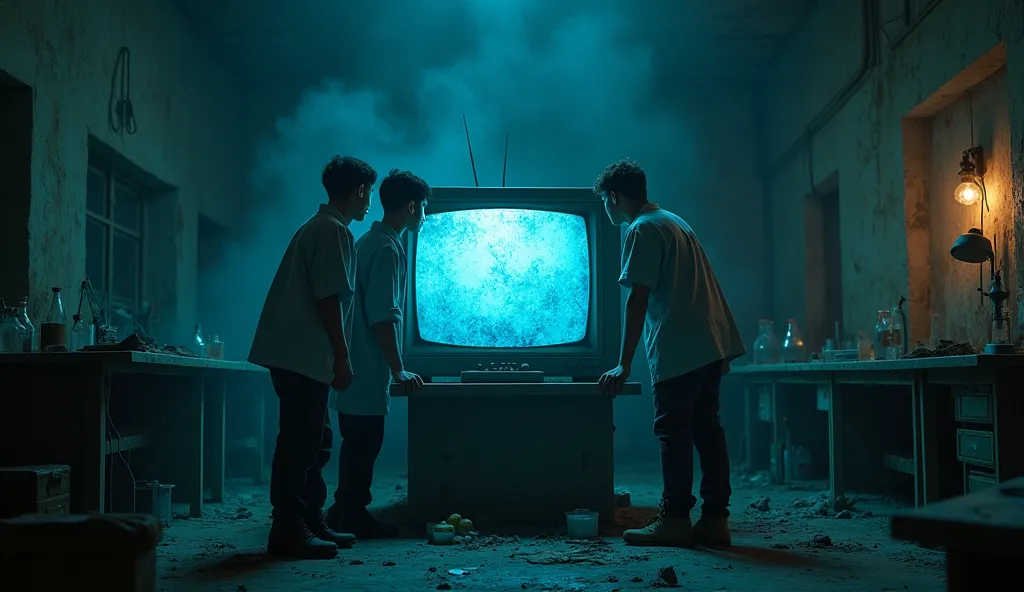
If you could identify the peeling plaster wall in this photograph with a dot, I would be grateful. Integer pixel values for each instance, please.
(963, 314)
(863, 144)
(186, 105)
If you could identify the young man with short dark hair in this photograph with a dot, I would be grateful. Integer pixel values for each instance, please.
(381, 280)
(302, 338)
(675, 302)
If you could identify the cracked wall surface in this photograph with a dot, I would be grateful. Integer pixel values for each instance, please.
(864, 145)
(186, 104)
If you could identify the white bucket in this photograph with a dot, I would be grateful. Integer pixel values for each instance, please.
(581, 523)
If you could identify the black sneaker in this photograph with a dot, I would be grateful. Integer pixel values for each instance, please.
(318, 527)
(292, 538)
(361, 523)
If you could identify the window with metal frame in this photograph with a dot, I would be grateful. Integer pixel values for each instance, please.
(115, 211)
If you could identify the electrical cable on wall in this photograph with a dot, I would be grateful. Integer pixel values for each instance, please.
(120, 111)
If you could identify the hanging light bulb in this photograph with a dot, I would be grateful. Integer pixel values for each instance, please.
(968, 192)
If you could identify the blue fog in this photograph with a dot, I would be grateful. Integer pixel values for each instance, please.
(542, 78)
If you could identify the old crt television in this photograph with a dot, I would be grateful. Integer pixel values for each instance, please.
(513, 275)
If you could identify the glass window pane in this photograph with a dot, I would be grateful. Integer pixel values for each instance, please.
(125, 274)
(96, 253)
(96, 193)
(126, 206)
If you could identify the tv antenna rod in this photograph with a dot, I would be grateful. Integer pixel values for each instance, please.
(472, 162)
(504, 164)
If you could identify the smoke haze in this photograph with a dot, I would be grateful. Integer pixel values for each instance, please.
(572, 87)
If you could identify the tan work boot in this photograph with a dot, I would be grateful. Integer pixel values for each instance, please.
(663, 530)
(712, 531)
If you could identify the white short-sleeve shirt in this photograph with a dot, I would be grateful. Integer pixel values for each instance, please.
(688, 324)
(381, 281)
(318, 263)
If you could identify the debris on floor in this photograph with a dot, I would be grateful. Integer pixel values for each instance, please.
(785, 543)
(761, 504)
(667, 578)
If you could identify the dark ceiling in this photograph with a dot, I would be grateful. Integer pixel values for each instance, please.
(305, 40)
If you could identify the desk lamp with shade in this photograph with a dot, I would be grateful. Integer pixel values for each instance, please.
(974, 247)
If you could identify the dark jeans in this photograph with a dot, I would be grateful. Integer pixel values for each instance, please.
(361, 440)
(686, 416)
(304, 442)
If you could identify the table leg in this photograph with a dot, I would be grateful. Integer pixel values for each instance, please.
(778, 457)
(194, 429)
(927, 443)
(89, 477)
(258, 477)
(837, 484)
(917, 394)
(215, 393)
(749, 417)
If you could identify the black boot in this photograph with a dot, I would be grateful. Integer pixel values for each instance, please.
(317, 524)
(292, 538)
(361, 523)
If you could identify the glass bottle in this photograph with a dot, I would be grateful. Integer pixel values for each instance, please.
(12, 333)
(81, 334)
(53, 331)
(936, 336)
(895, 349)
(883, 334)
(31, 342)
(766, 347)
(197, 340)
(215, 348)
(793, 348)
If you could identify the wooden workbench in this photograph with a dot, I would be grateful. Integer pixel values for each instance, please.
(56, 409)
(981, 533)
(988, 410)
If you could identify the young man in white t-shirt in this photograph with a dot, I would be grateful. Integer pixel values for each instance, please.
(381, 280)
(690, 335)
(303, 339)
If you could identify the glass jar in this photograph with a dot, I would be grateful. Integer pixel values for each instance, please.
(82, 335)
(215, 348)
(767, 349)
(793, 348)
(12, 333)
(1001, 329)
(865, 351)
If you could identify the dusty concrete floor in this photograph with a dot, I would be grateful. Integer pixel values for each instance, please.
(783, 540)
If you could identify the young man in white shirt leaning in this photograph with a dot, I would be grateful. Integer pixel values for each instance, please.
(303, 339)
(381, 281)
(690, 335)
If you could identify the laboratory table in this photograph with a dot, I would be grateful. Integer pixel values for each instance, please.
(980, 532)
(511, 454)
(988, 401)
(57, 410)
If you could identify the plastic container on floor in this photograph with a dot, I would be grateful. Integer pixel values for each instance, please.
(442, 534)
(581, 523)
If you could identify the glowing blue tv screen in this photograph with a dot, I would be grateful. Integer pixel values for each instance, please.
(502, 278)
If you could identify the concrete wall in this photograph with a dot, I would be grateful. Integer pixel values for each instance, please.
(926, 65)
(962, 314)
(188, 142)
